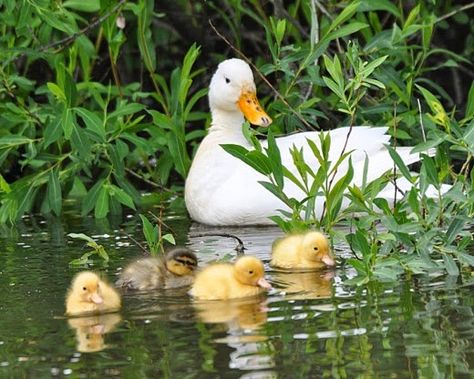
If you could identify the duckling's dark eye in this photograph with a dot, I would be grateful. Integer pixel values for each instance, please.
(227, 80)
(250, 272)
(316, 248)
(84, 288)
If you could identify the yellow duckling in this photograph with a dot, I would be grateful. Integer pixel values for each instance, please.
(302, 251)
(175, 270)
(90, 294)
(223, 281)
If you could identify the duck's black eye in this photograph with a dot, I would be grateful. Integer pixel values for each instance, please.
(84, 288)
(227, 80)
(316, 248)
(250, 272)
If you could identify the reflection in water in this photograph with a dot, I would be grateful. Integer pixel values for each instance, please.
(304, 285)
(90, 331)
(419, 326)
(237, 314)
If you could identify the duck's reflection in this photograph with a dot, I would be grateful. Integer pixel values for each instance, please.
(237, 314)
(304, 285)
(90, 331)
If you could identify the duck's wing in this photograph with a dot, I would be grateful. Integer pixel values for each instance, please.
(363, 143)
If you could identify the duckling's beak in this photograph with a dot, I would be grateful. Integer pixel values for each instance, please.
(262, 282)
(96, 298)
(327, 260)
(252, 109)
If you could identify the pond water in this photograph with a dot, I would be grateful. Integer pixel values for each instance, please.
(312, 325)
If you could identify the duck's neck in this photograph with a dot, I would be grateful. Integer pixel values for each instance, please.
(227, 126)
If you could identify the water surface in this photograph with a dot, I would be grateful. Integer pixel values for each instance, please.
(312, 325)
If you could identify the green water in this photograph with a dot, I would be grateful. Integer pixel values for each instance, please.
(310, 325)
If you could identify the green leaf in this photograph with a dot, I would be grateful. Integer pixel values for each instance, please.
(470, 102)
(54, 193)
(149, 231)
(53, 131)
(345, 31)
(56, 91)
(455, 227)
(275, 159)
(90, 6)
(346, 14)
(81, 236)
(90, 199)
(255, 159)
(4, 186)
(400, 164)
(13, 141)
(93, 122)
(379, 5)
(67, 120)
(466, 258)
(102, 204)
(126, 110)
(169, 238)
(122, 196)
(450, 264)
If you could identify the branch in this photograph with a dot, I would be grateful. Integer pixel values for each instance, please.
(62, 43)
(450, 14)
(275, 91)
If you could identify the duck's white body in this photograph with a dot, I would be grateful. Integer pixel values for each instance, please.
(222, 190)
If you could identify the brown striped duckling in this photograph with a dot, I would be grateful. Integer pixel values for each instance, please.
(304, 251)
(173, 271)
(89, 294)
(223, 281)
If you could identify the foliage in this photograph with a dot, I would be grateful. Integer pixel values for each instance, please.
(66, 132)
(427, 230)
(97, 250)
(154, 236)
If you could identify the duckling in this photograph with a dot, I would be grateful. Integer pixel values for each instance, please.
(175, 270)
(90, 294)
(302, 251)
(222, 281)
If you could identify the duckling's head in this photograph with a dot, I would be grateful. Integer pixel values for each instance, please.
(249, 270)
(86, 286)
(316, 248)
(181, 261)
(232, 89)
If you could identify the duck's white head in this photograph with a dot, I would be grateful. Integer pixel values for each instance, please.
(232, 90)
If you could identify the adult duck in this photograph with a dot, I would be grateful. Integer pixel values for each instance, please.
(222, 190)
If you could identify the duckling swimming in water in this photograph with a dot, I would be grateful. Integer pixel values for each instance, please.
(89, 294)
(222, 281)
(309, 250)
(173, 271)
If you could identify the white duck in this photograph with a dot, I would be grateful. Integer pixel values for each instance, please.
(222, 190)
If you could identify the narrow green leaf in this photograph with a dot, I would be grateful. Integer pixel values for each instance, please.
(90, 199)
(54, 193)
(149, 231)
(102, 204)
(92, 121)
(450, 264)
(123, 197)
(81, 236)
(400, 164)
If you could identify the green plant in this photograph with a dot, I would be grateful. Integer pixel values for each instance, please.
(155, 237)
(97, 250)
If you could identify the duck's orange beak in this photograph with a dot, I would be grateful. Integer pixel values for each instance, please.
(327, 260)
(262, 282)
(96, 298)
(252, 109)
